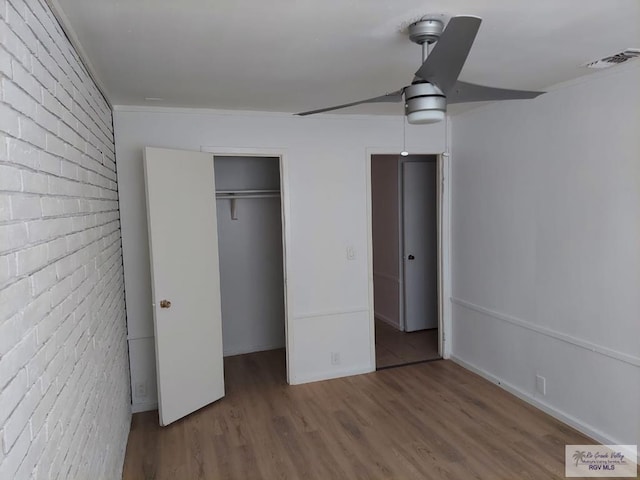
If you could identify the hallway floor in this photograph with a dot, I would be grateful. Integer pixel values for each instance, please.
(394, 347)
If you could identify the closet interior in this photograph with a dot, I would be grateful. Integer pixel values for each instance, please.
(251, 253)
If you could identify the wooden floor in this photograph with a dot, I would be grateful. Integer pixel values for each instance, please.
(426, 421)
(394, 347)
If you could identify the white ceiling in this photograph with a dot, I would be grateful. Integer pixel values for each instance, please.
(295, 55)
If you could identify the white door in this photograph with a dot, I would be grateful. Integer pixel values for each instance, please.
(185, 280)
(420, 245)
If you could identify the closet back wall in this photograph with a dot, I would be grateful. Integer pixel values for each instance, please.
(250, 250)
(325, 190)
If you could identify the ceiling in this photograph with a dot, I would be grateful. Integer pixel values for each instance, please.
(295, 55)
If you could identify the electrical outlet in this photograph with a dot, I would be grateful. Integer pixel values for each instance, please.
(335, 358)
(140, 389)
(351, 253)
(541, 385)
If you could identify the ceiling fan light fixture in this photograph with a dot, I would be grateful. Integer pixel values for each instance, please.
(425, 117)
(424, 103)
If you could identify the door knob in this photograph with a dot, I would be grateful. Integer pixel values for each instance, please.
(165, 304)
(411, 257)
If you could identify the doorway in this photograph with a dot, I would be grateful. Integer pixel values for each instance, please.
(251, 256)
(185, 270)
(404, 222)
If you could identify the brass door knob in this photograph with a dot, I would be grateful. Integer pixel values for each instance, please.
(165, 304)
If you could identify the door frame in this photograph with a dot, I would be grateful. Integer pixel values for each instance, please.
(443, 167)
(285, 213)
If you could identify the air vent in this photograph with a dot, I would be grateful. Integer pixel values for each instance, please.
(617, 59)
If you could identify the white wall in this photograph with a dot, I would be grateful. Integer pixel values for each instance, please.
(545, 255)
(326, 189)
(386, 248)
(64, 387)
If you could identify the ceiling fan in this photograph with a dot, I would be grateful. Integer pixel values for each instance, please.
(436, 82)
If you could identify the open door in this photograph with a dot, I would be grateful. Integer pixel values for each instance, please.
(420, 245)
(185, 280)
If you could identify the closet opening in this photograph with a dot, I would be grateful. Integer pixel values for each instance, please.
(405, 230)
(252, 273)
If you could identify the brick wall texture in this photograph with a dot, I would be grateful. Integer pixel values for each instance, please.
(64, 381)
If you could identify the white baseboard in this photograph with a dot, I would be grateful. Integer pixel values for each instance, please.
(570, 420)
(242, 349)
(387, 320)
(317, 377)
(143, 407)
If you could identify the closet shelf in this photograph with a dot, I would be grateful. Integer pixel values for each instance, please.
(247, 193)
(234, 195)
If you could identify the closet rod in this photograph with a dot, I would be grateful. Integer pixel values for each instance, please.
(239, 192)
(236, 197)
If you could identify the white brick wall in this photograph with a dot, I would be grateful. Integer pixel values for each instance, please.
(64, 387)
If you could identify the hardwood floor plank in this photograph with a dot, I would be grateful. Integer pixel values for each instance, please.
(426, 421)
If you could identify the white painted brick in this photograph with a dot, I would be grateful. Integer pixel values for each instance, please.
(36, 448)
(18, 98)
(33, 182)
(9, 120)
(63, 186)
(7, 268)
(32, 259)
(61, 290)
(67, 134)
(35, 311)
(4, 154)
(19, 419)
(51, 206)
(10, 333)
(63, 95)
(43, 280)
(5, 207)
(11, 395)
(49, 228)
(18, 25)
(13, 297)
(73, 155)
(10, 178)
(43, 75)
(54, 145)
(5, 63)
(17, 358)
(44, 467)
(51, 103)
(48, 163)
(24, 207)
(21, 152)
(57, 249)
(51, 369)
(27, 82)
(46, 119)
(38, 366)
(69, 170)
(32, 132)
(10, 41)
(75, 241)
(62, 318)
(9, 466)
(12, 236)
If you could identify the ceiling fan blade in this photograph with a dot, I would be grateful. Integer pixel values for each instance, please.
(392, 97)
(469, 92)
(443, 65)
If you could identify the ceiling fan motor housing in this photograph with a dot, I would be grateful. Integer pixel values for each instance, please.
(427, 30)
(424, 103)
